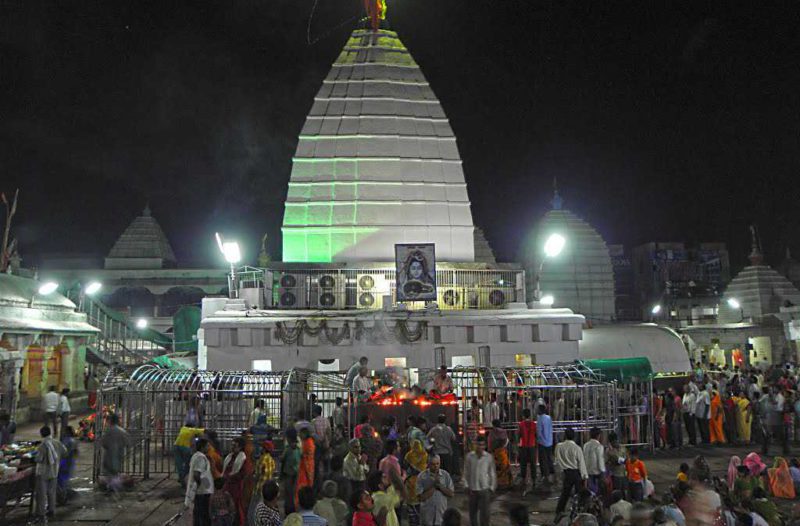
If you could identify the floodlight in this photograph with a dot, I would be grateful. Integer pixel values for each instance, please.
(141, 323)
(92, 288)
(656, 309)
(734, 303)
(48, 287)
(547, 300)
(554, 245)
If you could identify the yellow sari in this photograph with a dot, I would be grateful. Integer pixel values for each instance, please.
(744, 419)
(417, 460)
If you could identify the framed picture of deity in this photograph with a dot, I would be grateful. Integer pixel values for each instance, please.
(415, 266)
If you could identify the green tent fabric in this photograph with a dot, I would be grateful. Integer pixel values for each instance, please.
(174, 360)
(623, 370)
(185, 324)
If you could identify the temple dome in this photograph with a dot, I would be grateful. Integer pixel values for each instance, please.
(760, 291)
(376, 163)
(142, 245)
(581, 277)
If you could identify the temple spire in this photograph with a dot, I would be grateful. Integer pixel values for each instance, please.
(146, 212)
(755, 257)
(557, 201)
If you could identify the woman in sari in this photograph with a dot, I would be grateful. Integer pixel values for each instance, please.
(214, 458)
(498, 443)
(729, 408)
(305, 472)
(417, 462)
(780, 480)
(733, 471)
(744, 418)
(235, 469)
(717, 417)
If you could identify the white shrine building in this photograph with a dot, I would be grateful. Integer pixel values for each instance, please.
(377, 164)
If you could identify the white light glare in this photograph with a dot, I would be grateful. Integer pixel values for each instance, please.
(554, 245)
(141, 323)
(734, 303)
(547, 300)
(93, 287)
(656, 309)
(48, 287)
(230, 249)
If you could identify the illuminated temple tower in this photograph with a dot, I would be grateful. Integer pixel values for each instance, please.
(376, 164)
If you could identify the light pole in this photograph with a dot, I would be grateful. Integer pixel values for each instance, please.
(552, 248)
(734, 304)
(230, 250)
(655, 310)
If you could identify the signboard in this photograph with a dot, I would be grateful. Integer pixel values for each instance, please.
(415, 266)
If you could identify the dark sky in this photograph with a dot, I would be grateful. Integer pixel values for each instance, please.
(662, 120)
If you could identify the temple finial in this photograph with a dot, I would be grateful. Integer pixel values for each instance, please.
(788, 253)
(376, 11)
(146, 212)
(557, 202)
(755, 257)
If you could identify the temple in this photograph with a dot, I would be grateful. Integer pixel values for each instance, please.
(376, 164)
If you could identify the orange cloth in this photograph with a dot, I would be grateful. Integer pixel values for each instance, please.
(305, 472)
(715, 423)
(215, 460)
(636, 470)
(780, 480)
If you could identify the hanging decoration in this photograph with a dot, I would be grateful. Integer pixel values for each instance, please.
(376, 11)
(377, 333)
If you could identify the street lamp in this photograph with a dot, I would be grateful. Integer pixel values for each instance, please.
(141, 323)
(48, 287)
(655, 310)
(93, 288)
(552, 248)
(230, 250)
(547, 300)
(734, 304)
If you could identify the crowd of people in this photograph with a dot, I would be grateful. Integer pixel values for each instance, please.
(313, 472)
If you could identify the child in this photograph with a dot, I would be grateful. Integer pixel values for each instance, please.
(223, 509)
(683, 473)
(637, 474)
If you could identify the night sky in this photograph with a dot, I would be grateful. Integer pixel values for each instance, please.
(661, 120)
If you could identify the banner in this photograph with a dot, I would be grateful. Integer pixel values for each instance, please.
(415, 266)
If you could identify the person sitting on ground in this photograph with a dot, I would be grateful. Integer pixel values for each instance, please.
(305, 502)
(619, 507)
(683, 473)
(641, 515)
(330, 507)
(518, 515)
(362, 504)
(451, 517)
(671, 510)
(794, 470)
(761, 504)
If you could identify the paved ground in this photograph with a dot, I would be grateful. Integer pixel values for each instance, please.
(154, 501)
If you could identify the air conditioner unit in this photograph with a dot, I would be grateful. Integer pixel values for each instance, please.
(451, 298)
(370, 290)
(498, 297)
(328, 292)
(291, 291)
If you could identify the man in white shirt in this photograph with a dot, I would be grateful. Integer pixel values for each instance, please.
(702, 412)
(354, 370)
(688, 412)
(50, 409)
(362, 385)
(569, 457)
(594, 455)
(481, 481)
(200, 484)
(491, 411)
(64, 410)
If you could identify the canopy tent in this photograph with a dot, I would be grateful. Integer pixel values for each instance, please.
(623, 370)
(662, 346)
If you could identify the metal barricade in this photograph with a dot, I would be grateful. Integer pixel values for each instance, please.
(152, 405)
